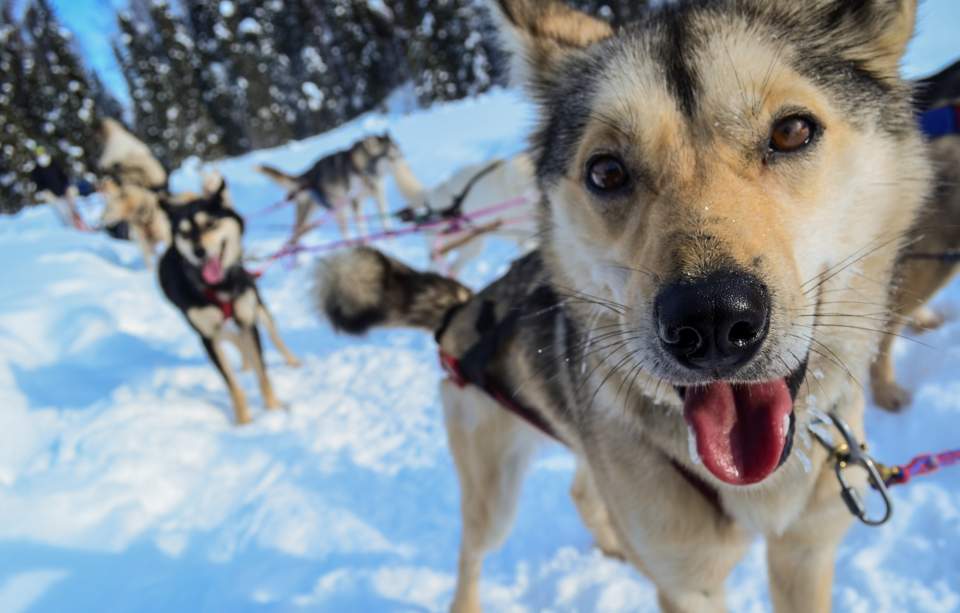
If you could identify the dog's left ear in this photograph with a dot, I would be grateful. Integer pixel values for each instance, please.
(540, 34)
(874, 33)
(893, 23)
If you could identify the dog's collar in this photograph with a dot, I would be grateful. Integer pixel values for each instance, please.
(940, 122)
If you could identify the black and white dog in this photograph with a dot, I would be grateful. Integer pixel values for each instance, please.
(202, 275)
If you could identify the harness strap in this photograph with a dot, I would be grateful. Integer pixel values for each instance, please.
(451, 365)
(942, 121)
(226, 306)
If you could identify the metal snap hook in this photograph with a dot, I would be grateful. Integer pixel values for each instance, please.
(853, 453)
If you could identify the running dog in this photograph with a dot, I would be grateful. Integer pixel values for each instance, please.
(497, 198)
(726, 185)
(343, 180)
(202, 274)
(930, 260)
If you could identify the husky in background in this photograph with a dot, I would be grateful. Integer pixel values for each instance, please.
(343, 180)
(726, 186)
(464, 198)
(128, 160)
(930, 259)
(52, 186)
(202, 274)
(139, 209)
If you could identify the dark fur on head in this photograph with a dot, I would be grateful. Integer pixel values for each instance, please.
(363, 288)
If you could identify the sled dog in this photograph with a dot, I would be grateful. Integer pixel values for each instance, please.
(202, 274)
(128, 160)
(726, 185)
(343, 180)
(494, 198)
(930, 259)
(138, 208)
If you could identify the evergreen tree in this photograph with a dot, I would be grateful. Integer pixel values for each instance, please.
(224, 101)
(16, 153)
(188, 128)
(63, 110)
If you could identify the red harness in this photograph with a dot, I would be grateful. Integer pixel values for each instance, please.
(226, 306)
(451, 365)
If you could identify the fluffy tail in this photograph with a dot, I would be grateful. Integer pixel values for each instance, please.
(363, 289)
(288, 182)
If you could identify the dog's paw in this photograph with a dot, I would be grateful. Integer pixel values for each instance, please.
(294, 362)
(891, 396)
(926, 320)
(272, 403)
(243, 420)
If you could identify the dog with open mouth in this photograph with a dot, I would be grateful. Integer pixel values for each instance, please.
(202, 274)
(725, 188)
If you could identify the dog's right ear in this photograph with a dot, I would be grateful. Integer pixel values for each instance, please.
(540, 34)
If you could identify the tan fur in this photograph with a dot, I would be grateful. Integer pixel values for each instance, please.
(917, 280)
(543, 34)
(140, 208)
(129, 158)
(797, 226)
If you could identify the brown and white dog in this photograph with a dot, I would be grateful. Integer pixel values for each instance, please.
(139, 208)
(726, 185)
(930, 259)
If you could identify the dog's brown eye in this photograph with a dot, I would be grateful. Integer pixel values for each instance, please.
(606, 174)
(791, 134)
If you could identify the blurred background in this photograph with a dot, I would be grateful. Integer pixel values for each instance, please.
(220, 78)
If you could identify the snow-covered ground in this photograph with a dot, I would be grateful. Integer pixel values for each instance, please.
(125, 487)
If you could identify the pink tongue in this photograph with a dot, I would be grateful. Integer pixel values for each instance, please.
(741, 430)
(212, 271)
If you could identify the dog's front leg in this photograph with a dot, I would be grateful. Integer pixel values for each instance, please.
(246, 308)
(240, 408)
(208, 322)
(380, 194)
(491, 449)
(264, 316)
(669, 529)
(802, 559)
(594, 512)
(358, 218)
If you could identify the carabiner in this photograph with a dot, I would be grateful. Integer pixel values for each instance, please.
(852, 453)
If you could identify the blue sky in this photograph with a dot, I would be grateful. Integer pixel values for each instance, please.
(94, 23)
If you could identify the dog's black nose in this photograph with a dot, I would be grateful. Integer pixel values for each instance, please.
(717, 322)
(200, 252)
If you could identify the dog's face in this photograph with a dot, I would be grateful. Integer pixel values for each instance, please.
(208, 234)
(705, 172)
(382, 146)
